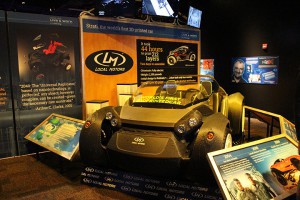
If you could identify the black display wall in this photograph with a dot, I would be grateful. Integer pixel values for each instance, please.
(235, 28)
(7, 131)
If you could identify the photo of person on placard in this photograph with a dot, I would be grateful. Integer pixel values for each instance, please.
(243, 192)
(260, 189)
(238, 71)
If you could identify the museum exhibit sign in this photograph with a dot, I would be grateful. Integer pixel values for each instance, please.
(44, 58)
(259, 69)
(7, 131)
(271, 164)
(207, 67)
(58, 134)
(133, 51)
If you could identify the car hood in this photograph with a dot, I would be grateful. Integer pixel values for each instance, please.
(152, 116)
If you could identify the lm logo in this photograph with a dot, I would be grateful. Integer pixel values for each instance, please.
(110, 59)
(109, 62)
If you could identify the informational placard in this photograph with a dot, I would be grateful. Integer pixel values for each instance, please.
(159, 60)
(259, 70)
(132, 51)
(45, 65)
(207, 67)
(7, 132)
(264, 169)
(147, 187)
(59, 134)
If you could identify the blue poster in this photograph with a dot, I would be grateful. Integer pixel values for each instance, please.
(259, 70)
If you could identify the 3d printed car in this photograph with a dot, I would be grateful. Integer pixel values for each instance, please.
(286, 171)
(166, 129)
(48, 54)
(182, 53)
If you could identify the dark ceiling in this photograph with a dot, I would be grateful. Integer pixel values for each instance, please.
(53, 7)
(70, 8)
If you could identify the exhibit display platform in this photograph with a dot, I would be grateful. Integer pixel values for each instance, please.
(50, 176)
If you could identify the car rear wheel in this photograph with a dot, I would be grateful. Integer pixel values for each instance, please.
(192, 57)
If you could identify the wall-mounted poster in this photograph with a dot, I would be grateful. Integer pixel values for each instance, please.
(7, 132)
(59, 134)
(45, 65)
(259, 70)
(207, 67)
(264, 169)
(158, 60)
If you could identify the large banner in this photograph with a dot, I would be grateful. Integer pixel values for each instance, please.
(45, 69)
(132, 51)
(7, 133)
(259, 70)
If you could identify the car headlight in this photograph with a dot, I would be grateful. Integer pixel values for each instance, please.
(114, 122)
(193, 122)
(109, 115)
(181, 128)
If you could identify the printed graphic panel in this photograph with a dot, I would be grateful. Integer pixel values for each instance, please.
(265, 169)
(207, 67)
(158, 60)
(59, 134)
(45, 70)
(118, 58)
(259, 70)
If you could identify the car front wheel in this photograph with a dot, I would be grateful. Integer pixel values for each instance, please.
(171, 60)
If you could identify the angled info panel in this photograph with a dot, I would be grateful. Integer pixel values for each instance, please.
(45, 70)
(7, 134)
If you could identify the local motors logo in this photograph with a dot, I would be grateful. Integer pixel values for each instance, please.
(138, 141)
(89, 169)
(109, 62)
(171, 184)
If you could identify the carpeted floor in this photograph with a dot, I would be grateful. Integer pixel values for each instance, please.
(48, 177)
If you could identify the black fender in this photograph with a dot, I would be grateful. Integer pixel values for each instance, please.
(94, 136)
(217, 124)
(235, 113)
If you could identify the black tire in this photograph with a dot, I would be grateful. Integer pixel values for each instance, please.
(198, 166)
(280, 178)
(94, 138)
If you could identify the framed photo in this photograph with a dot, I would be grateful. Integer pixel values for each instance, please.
(59, 134)
(264, 169)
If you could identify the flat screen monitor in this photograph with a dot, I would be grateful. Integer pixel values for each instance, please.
(115, 8)
(194, 17)
(165, 8)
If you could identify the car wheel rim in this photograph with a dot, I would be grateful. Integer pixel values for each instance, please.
(228, 141)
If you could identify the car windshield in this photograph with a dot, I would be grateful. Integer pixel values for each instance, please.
(180, 93)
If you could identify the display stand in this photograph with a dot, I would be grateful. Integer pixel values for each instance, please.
(146, 187)
(272, 163)
(59, 134)
(94, 105)
(125, 92)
